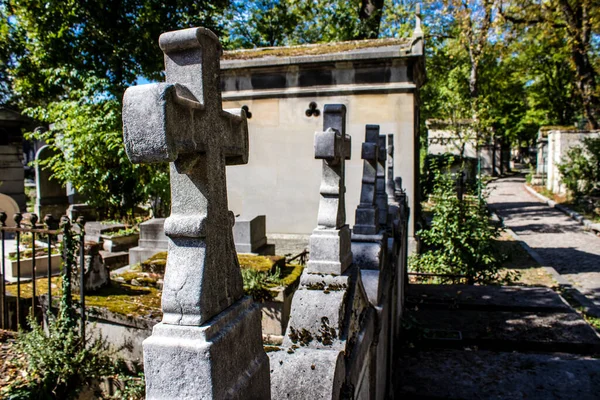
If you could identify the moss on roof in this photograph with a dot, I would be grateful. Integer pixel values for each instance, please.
(311, 49)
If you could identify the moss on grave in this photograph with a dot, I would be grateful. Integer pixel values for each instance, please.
(311, 49)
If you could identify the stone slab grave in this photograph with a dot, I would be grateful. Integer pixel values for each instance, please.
(115, 249)
(208, 345)
(11, 265)
(152, 240)
(250, 235)
(495, 342)
(51, 196)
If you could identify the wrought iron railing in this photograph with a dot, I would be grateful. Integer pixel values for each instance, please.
(51, 233)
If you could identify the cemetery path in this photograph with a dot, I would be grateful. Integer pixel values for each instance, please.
(559, 241)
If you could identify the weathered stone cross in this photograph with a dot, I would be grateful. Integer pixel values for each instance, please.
(182, 122)
(208, 345)
(330, 243)
(367, 216)
(381, 197)
(390, 186)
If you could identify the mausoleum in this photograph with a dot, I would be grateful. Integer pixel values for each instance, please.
(284, 90)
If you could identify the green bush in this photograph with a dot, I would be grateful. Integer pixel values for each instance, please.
(580, 168)
(460, 238)
(88, 139)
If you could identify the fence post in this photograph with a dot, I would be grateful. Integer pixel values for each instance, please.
(66, 309)
(33, 220)
(48, 220)
(81, 224)
(18, 218)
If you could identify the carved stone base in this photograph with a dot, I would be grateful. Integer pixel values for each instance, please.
(330, 251)
(222, 359)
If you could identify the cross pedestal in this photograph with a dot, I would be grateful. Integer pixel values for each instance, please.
(208, 345)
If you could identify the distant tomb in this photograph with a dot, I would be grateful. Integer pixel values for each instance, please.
(51, 195)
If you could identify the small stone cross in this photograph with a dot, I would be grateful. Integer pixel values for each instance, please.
(333, 147)
(389, 187)
(381, 197)
(182, 122)
(367, 217)
(330, 247)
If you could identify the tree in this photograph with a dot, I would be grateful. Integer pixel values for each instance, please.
(88, 139)
(54, 46)
(575, 20)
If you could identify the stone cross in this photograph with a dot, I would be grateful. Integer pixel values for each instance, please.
(208, 345)
(333, 147)
(367, 216)
(182, 122)
(330, 243)
(389, 187)
(381, 196)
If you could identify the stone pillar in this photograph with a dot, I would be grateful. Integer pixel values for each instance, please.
(208, 345)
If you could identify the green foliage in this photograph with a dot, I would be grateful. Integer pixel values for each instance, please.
(257, 283)
(91, 156)
(289, 22)
(56, 364)
(580, 168)
(460, 238)
(51, 48)
(123, 232)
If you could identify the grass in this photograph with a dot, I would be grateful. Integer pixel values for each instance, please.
(132, 300)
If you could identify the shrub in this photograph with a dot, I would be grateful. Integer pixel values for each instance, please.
(88, 139)
(460, 238)
(580, 168)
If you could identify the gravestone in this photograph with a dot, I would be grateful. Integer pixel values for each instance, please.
(381, 196)
(367, 214)
(324, 340)
(152, 240)
(330, 241)
(250, 235)
(208, 345)
(10, 207)
(51, 196)
(370, 250)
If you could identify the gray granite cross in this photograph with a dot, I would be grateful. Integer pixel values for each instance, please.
(381, 196)
(333, 147)
(182, 122)
(367, 216)
(390, 186)
(330, 247)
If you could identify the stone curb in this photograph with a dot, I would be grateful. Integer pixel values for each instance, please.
(588, 307)
(588, 225)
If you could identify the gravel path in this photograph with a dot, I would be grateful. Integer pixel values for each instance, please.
(560, 242)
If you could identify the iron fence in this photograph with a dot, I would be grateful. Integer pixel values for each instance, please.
(52, 233)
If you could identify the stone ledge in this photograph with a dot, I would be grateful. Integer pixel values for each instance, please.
(588, 224)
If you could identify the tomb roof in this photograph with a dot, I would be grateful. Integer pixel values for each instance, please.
(312, 53)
